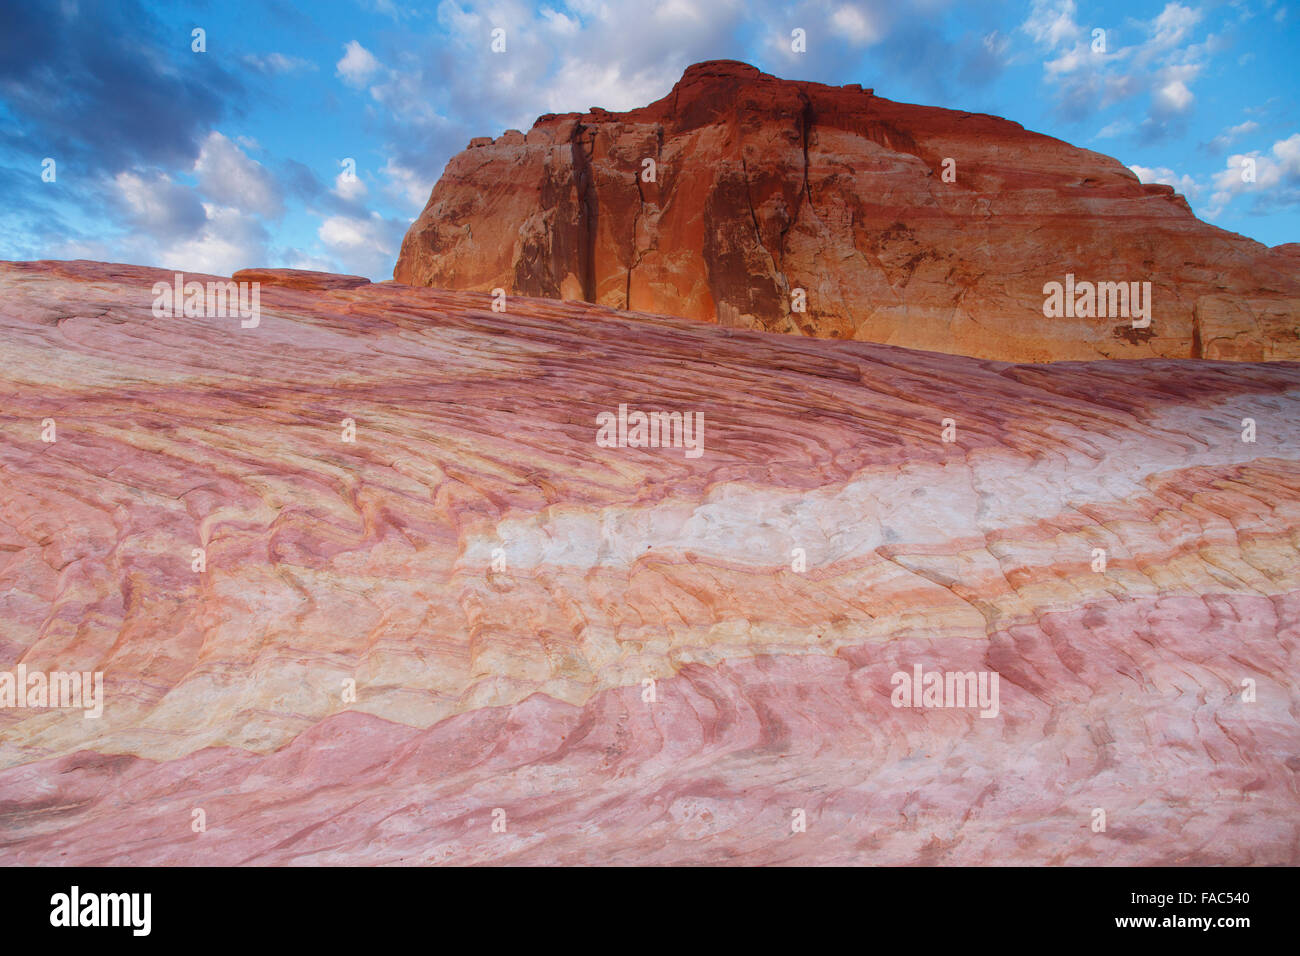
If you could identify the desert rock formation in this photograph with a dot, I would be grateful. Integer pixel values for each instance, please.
(762, 187)
(500, 588)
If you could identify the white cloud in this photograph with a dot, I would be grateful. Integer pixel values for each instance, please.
(348, 185)
(1184, 184)
(1276, 176)
(363, 245)
(559, 23)
(579, 83)
(1163, 64)
(856, 25)
(230, 240)
(228, 176)
(219, 241)
(350, 233)
(157, 205)
(1051, 22)
(175, 230)
(1225, 139)
(406, 184)
(403, 91)
(1172, 26)
(1174, 97)
(357, 65)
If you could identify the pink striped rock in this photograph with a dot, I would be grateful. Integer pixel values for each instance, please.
(473, 633)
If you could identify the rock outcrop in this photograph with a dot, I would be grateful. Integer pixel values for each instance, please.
(636, 654)
(721, 200)
(305, 279)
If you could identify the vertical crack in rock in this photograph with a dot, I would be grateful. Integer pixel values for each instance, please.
(588, 208)
(806, 116)
(637, 252)
(635, 259)
(753, 218)
(746, 290)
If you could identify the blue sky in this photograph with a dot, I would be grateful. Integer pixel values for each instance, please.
(233, 157)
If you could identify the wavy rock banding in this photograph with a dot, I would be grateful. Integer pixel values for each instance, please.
(500, 589)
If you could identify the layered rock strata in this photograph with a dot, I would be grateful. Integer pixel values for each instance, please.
(749, 201)
(635, 655)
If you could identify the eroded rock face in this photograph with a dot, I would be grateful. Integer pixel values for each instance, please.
(500, 587)
(763, 186)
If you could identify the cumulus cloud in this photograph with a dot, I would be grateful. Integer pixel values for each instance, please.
(158, 206)
(407, 185)
(230, 240)
(1051, 23)
(349, 186)
(619, 89)
(366, 245)
(213, 226)
(1091, 72)
(1172, 26)
(357, 66)
(226, 174)
(1275, 183)
(340, 232)
(174, 230)
(1185, 184)
(857, 25)
(1174, 97)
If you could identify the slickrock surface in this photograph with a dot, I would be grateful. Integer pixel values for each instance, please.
(520, 686)
(763, 186)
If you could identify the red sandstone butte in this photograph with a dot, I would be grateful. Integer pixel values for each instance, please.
(763, 186)
(517, 684)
